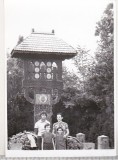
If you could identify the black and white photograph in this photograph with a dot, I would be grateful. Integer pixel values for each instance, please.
(60, 60)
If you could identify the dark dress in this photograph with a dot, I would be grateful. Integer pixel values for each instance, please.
(60, 142)
(47, 141)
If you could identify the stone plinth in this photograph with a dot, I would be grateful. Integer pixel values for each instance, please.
(88, 145)
(81, 137)
(103, 142)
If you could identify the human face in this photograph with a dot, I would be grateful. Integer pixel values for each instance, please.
(47, 128)
(59, 118)
(43, 117)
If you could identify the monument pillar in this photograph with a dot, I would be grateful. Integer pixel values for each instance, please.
(43, 54)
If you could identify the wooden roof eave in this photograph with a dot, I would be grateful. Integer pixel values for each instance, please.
(39, 54)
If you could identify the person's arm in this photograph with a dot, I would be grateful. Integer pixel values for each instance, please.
(42, 144)
(53, 131)
(36, 131)
(67, 131)
(53, 143)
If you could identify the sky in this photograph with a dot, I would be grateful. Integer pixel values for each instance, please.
(74, 21)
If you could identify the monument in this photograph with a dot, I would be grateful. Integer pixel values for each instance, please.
(42, 54)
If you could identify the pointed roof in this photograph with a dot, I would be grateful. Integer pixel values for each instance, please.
(43, 44)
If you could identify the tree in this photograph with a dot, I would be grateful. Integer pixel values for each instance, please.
(101, 85)
(85, 64)
(78, 111)
(70, 80)
(20, 39)
(104, 77)
(18, 109)
(97, 78)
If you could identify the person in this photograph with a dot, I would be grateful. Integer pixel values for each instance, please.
(61, 124)
(47, 139)
(60, 141)
(39, 128)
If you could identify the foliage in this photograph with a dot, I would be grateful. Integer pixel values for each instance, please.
(14, 76)
(101, 85)
(70, 79)
(105, 51)
(73, 143)
(85, 64)
(105, 71)
(78, 111)
(20, 39)
(18, 109)
(97, 77)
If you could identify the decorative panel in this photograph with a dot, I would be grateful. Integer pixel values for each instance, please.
(43, 99)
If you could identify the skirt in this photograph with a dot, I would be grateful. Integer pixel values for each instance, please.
(48, 146)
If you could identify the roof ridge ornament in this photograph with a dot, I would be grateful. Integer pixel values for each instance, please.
(42, 32)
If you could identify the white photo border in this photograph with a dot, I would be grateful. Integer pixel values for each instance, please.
(74, 153)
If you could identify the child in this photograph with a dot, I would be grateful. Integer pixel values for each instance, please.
(47, 139)
(60, 140)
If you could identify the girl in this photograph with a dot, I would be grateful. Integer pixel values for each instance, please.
(47, 139)
(60, 140)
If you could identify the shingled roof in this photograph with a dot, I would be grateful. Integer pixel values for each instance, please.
(43, 44)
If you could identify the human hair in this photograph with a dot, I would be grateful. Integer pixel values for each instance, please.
(43, 113)
(59, 128)
(60, 114)
(46, 125)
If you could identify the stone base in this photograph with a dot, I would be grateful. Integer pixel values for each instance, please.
(88, 145)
